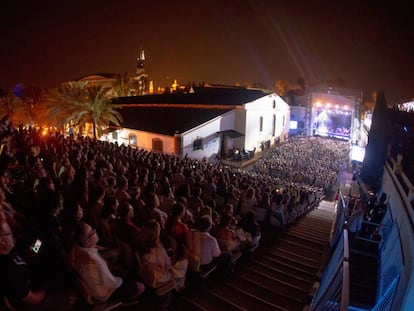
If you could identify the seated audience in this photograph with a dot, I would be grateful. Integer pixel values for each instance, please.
(16, 285)
(249, 231)
(175, 225)
(248, 201)
(156, 267)
(205, 246)
(226, 235)
(97, 281)
(126, 230)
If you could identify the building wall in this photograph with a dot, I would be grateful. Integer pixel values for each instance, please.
(208, 133)
(244, 119)
(144, 140)
(240, 116)
(298, 114)
(268, 109)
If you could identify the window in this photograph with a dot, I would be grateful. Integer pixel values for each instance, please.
(261, 124)
(274, 104)
(132, 139)
(115, 135)
(198, 144)
(274, 125)
(283, 123)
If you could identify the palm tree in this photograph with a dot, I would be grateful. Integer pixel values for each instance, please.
(34, 97)
(78, 103)
(101, 111)
(123, 85)
(16, 109)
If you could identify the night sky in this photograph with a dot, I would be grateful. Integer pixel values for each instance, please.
(370, 46)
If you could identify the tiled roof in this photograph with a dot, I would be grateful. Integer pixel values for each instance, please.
(201, 95)
(165, 120)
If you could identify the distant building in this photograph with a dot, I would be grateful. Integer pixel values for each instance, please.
(105, 80)
(141, 78)
(205, 123)
(123, 84)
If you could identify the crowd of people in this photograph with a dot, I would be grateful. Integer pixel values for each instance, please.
(313, 161)
(109, 222)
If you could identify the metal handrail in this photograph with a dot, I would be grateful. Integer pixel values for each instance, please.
(332, 293)
(345, 274)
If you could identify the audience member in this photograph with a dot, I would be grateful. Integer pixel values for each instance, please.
(16, 285)
(206, 247)
(156, 267)
(98, 283)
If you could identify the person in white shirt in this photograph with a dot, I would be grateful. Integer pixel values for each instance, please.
(98, 283)
(201, 243)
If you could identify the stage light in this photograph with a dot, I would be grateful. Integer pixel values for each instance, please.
(328, 105)
(318, 104)
(346, 107)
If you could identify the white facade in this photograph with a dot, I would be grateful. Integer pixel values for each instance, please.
(267, 119)
(208, 133)
(142, 140)
(264, 119)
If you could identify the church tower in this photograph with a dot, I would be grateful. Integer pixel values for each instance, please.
(141, 77)
(141, 62)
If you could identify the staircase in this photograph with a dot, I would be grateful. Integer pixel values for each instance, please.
(279, 276)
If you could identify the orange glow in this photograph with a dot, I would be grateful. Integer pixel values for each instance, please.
(174, 86)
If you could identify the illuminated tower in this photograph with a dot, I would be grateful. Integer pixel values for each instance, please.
(140, 63)
(141, 77)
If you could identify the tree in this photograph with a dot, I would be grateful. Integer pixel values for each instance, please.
(301, 83)
(123, 85)
(16, 109)
(34, 97)
(281, 87)
(78, 103)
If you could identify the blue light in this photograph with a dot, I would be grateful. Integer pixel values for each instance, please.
(18, 90)
(405, 129)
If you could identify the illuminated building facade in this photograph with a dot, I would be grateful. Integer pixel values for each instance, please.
(205, 123)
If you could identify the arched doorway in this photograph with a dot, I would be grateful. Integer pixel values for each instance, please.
(157, 145)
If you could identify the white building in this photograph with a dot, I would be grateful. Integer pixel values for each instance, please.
(205, 123)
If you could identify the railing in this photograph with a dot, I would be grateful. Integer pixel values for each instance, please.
(339, 220)
(404, 187)
(390, 269)
(333, 293)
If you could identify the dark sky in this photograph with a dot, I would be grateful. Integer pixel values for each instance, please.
(368, 45)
